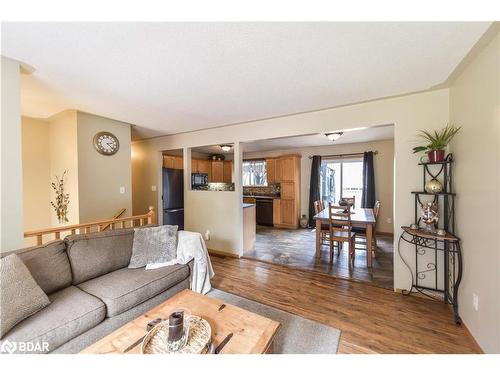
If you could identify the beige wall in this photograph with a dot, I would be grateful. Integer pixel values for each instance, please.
(63, 150)
(36, 174)
(474, 104)
(424, 110)
(65, 142)
(11, 218)
(383, 165)
(101, 176)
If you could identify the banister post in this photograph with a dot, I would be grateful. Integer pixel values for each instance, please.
(151, 215)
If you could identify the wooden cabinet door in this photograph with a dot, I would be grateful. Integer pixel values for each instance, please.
(288, 166)
(271, 170)
(228, 171)
(205, 166)
(288, 190)
(168, 161)
(276, 211)
(277, 170)
(194, 165)
(288, 209)
(178, 162)
(217, 171)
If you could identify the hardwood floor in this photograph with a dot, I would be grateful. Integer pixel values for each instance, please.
(372, 319)
(297, 248)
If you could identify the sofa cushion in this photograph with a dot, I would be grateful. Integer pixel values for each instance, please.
(20, 295)
(128, 287)
(95, 254)
(71, 313)
(48, 264)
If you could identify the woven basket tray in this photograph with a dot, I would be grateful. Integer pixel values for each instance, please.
(199, 336)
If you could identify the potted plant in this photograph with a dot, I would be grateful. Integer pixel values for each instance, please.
(436, 142)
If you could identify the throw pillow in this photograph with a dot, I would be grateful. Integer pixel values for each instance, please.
(20, 295)
(153, 245)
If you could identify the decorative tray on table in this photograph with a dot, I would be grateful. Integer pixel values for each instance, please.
(197, 330)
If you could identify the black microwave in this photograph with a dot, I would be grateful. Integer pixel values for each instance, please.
(199, 180)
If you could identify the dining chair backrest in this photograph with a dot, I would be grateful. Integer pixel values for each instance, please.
(376, 209)
(340, 219)
(318, 206)
(350, 200)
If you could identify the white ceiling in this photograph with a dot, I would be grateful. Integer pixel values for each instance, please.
(177, 77)
(376, 133)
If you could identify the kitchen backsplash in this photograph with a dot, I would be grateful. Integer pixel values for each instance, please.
(271, 190)
(216, 186)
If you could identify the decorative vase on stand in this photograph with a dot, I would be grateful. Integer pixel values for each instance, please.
(304, 222)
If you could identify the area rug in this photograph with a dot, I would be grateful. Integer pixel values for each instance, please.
(296, 335)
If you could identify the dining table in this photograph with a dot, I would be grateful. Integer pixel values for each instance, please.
(360, 218)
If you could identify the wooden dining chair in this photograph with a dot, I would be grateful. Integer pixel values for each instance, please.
(341, 230)
(325, 228)
(361, 232)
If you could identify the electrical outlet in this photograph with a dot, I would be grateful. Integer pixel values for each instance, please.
(153, 187)
(122, 190)
(389, 220)
(475, 301)
(207, 235)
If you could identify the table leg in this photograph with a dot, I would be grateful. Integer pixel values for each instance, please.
(369, 244)
(318, 238)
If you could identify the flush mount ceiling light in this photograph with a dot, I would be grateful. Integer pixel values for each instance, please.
(333, 136)
(225, 148)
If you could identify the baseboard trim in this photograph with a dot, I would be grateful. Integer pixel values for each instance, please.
(223, 253)
(472, 338)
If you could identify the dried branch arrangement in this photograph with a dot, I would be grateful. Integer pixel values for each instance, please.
(62, 199)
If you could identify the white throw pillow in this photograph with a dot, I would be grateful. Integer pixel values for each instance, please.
(153, 245)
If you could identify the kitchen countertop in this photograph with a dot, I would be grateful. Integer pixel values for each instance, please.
(262, 196)
(247, 205)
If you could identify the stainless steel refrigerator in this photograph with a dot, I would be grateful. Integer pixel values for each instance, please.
(173, 197)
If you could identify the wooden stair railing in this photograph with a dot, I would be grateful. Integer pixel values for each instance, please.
(97, 226)
(117, 215)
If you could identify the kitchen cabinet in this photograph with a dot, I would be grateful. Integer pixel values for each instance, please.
(194, 165)
(205, 166)
(271, 170)
(287, 172)
(228, 171)
(276, 212)
(172, 162)
(217, 171)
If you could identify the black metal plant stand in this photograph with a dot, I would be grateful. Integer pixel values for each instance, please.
(433, 251)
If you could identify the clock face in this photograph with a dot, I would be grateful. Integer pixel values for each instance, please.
(106, 143)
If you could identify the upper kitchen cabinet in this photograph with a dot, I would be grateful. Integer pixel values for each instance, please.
(172, 162)
(228, 171)
(217, 171)
(271, 170)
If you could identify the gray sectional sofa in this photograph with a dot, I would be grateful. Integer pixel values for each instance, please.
(92, 292)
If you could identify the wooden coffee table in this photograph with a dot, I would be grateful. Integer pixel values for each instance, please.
(252, 333)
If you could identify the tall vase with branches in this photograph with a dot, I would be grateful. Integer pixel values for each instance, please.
(62, 199)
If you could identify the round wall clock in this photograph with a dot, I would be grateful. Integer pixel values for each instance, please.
(106, 143)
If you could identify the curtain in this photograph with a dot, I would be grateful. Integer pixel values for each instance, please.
(368, 197)
(314, 188)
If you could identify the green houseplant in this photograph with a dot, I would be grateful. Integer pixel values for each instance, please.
(436, 142)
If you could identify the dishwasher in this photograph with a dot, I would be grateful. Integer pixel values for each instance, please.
(264, 211)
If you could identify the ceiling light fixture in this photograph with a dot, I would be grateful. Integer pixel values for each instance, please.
(225, 148)
(333, 136)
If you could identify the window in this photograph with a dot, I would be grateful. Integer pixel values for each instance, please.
(254, 173)
(342, 178)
